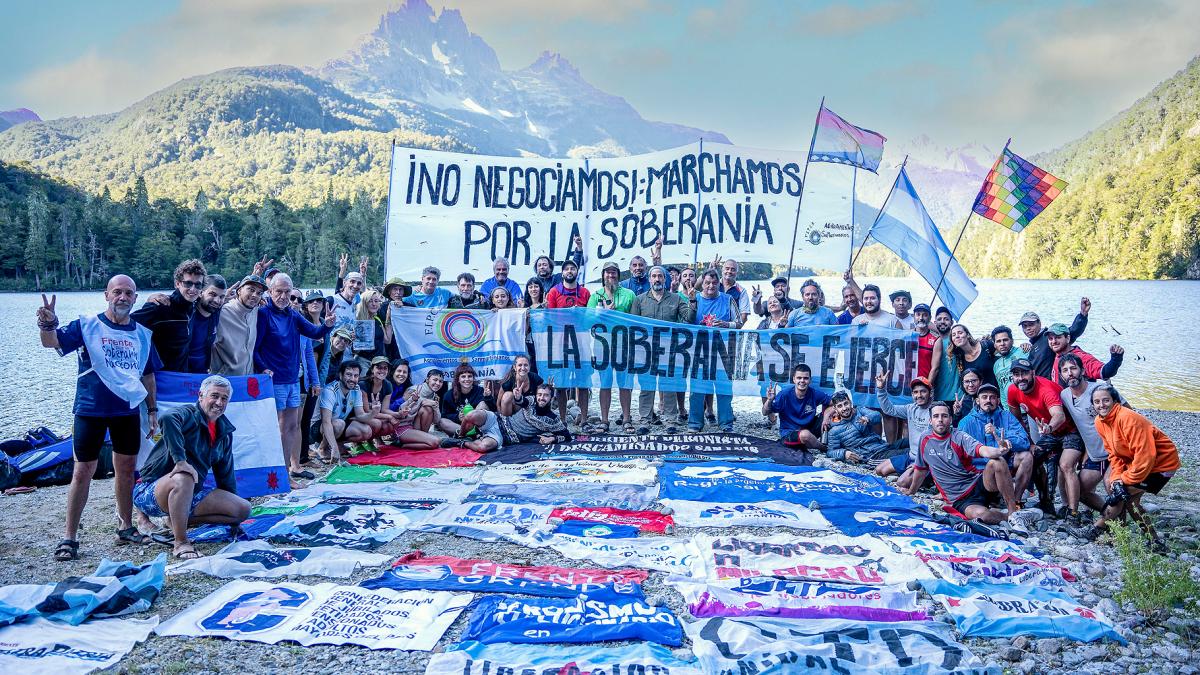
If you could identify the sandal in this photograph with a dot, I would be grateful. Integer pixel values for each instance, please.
(130, 535)
(305, 474)
(629, 428)
(185, 551)
(68, 549)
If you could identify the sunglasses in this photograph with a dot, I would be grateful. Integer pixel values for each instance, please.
(192, 284)
(296, 298)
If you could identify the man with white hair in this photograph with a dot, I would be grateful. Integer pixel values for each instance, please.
(277, 353)
(500, 278)
(196, 439)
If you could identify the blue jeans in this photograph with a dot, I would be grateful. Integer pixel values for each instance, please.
(724, 404)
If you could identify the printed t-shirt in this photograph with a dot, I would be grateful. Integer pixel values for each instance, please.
(1081, 412)
(92, 398)
(949, 460)
(339, 401)
(797, 413)
(925, 345)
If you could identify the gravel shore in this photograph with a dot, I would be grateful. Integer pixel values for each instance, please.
(1169, 646)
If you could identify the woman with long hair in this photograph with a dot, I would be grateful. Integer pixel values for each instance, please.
(969, 352)
(462, 397)
(535, 295)
(500, 298)
(368, 310)
(518, 387)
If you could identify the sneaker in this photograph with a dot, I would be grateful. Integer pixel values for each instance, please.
(1091, 533)
(1021, 521)
(451, 443)
(710, 418)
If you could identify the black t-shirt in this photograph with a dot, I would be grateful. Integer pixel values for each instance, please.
(368, 386)
(535, 381)
(451, 410)
(984, 362)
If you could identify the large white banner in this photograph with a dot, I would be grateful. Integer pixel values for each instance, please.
(460, 212)
(325, 614)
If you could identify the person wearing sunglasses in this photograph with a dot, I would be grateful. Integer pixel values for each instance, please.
(171, 324)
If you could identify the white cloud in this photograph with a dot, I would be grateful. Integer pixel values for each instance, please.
(843, 20)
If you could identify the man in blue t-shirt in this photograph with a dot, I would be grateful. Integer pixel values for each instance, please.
(117, 362)
(429, 295)
(500, 278)
(800, 424)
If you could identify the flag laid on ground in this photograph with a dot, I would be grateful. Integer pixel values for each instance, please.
(257, 449)
(836, 140)
(259, 559)
(904, 226)
(474, 658)
(444, 338)
(784, 599)
(982, 609)
(114, 589)
(41, 647)
(1015, 191)
(508, 618)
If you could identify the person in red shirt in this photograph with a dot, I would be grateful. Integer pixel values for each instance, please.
(926, 339)
(1058, 337)
(1036, 402)
(564, 295)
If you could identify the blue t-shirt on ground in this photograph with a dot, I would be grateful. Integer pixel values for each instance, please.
(797, 413)
(92, 398)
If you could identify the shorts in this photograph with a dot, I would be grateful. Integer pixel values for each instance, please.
(287, 396)
(1095, 465)
(792, 438)
(900, 462)
(125, 431)
(1052, 444)
(1010, 458)
(978, 494)
(491, 428)
(143, 498)
(1154, 482)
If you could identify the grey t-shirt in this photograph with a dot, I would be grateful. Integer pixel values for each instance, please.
(949, 459)
(917, 416)
(1084, 416)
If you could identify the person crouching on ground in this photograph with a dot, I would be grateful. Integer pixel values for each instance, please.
(801, 424)
(528, 424)
(195, 439)
(854, 435)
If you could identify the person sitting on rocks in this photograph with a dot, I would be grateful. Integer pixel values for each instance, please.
(343, 417)
(917, 415)
(532, 423)
(988, 421)
(855, 435)
(800, 422)
(196, 439)
(948, 455)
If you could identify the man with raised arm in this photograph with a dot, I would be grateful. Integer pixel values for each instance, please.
(1038, 347)
(171, 323)
(117, 361)
(196, 439)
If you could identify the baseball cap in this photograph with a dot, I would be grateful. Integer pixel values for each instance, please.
(1029, 317)
(570, 262)
(779, 280)
(1021, 364)
(313, 296)
(900, 294)
(254, 279)
(270, 272)
(344, 332)
(610, 266)
(921, 307)
(355, 276)
(1059, 329)
(988, 386)
(921, 380)
(380, 359)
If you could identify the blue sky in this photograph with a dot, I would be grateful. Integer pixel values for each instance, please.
(959, 72)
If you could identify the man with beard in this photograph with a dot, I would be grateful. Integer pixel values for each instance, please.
(901, 302)
(811, 312)
(854, 435)
(277, 353)
(1036, 401)
(948, 455)
(467, 297)
(543, 267)
(1006, 353)
(781, 288)
(715, 309)
(851, 298)
(1038, 347)
(944, 368)
(1077, 401)
(343, 415)
(569, 293)
(429, 296)
(917, 415)
(661, 304)
(800, 423)
(529, 424)
(204, 323)
(117, 362)
(988, 422)
(611, 296)
(1058, 337)
(171, 324)
(500, 278)
(237, 330)
(927, 341)
(872, 313)
(196, 439)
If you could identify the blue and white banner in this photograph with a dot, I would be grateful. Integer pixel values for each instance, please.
(750, 482)
(257, 448)
(444, 338)
(475, 658)
(761, 514)
(588, 347)
(43, 647)
(513, 619)
(832, 558)
(855, 521)
(615, 495)
(982, 609)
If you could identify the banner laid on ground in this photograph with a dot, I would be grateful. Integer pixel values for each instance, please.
(114, 589)
(982, 609)
(644, 521)
(348, 474)
(474, 658)
(799, 600)
(666, 554)
(512, 619)
(615, 495)
(634, 472)
(762, 514)
(447, 573)
(460, 212)
(41, 647)
(260, 559)
(1007, 569)
(727, 646)
(358, 526)
(257, 449)
(846, 560)
(685, 447)
(444, 338)
(487, 521)
(326, 614)
(750, 482)
(596, 347)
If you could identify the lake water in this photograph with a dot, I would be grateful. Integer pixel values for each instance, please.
(1154, 319)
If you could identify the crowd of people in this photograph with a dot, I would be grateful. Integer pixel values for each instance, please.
(993, 420)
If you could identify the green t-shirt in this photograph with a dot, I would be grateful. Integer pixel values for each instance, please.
(622, 302)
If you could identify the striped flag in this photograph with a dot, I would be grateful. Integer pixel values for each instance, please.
(1015, 191)
(836, 140)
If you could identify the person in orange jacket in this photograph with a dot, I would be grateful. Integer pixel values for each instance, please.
(1141, 459)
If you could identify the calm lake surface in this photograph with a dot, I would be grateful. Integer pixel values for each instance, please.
(1156, 321)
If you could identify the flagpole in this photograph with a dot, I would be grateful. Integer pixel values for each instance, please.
(880, 214)
(853, 204)
(387, 221)
(962, 232)
(803, 185)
